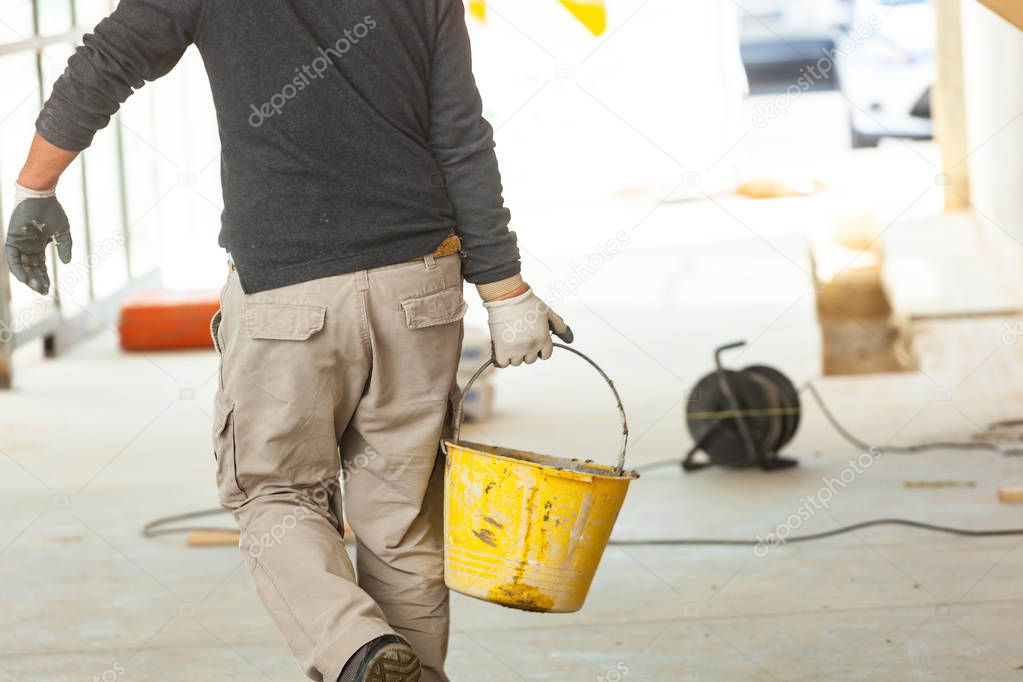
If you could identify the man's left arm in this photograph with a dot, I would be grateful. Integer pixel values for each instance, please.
(463, 145)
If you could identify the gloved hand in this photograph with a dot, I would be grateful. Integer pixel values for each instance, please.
(38, 219)
(520, 329)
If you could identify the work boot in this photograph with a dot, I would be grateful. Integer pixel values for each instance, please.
(385, 659)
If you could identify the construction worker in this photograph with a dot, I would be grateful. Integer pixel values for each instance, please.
(360, 187)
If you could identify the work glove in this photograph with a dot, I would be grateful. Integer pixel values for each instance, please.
(520, 329)
(38, 219)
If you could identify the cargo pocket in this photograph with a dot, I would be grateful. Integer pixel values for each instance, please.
(284, 350)
(280, 322)
(228, 487)
(443, 307)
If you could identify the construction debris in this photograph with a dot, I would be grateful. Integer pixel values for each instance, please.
(1012, 494)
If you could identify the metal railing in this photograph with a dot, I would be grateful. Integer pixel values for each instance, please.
(61, 321)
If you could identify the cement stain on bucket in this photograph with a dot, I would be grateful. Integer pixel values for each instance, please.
(485, 535)
(526, 597)
(525, 530)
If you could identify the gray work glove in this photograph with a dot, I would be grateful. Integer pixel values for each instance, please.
(38, 219)
(520, 329)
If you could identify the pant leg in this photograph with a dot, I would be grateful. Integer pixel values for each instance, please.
(394, 498)
(406, 577)
(294, 363)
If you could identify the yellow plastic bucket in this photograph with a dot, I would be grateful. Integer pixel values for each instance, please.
(525, 530)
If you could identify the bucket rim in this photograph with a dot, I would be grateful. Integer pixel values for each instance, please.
(570, 468)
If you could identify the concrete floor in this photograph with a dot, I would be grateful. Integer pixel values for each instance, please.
(97, 443)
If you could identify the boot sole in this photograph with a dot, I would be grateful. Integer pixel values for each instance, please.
(393, 663)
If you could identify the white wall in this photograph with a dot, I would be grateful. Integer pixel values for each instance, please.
(993, 68)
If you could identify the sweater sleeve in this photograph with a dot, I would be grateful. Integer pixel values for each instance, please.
(463, 145)
(141, 41)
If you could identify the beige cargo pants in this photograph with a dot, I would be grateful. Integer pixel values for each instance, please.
(342, 380)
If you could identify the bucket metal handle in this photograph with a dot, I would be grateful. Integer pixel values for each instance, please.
(620, 469)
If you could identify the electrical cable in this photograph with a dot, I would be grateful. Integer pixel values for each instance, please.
(901, 449)
(650, 466)
(819, 536)
(156, 527)
(162, 526)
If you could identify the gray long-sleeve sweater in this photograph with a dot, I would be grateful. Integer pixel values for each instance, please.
(351, 130)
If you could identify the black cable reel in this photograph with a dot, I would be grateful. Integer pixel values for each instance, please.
(741, 418)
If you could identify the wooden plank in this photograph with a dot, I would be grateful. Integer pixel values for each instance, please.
(1012, 494)
(857, 333)
(229, 538)
(210, 538)
(949, 104)
(975, 364)
(949, 266)
(1010, 10)
(863, 347)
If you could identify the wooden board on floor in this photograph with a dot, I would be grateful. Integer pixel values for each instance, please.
(213, 538)
(975, 365)
(229, 538)
(857, 332)
(1012, 494)
(952, 265)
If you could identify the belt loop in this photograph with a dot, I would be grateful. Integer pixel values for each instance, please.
(431, 262)
(362, 280)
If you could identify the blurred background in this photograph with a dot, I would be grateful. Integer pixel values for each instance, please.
(836, 182)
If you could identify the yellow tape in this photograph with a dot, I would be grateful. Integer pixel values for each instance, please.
(591, 12)
(478, 9)
(725, 414)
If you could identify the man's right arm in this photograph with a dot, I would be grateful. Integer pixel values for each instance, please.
(141, 41)
(44, 166)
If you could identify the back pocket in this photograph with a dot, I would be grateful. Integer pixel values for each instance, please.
(283, 322)
(443, 307)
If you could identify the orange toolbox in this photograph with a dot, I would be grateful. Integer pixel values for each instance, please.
(168, 320)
